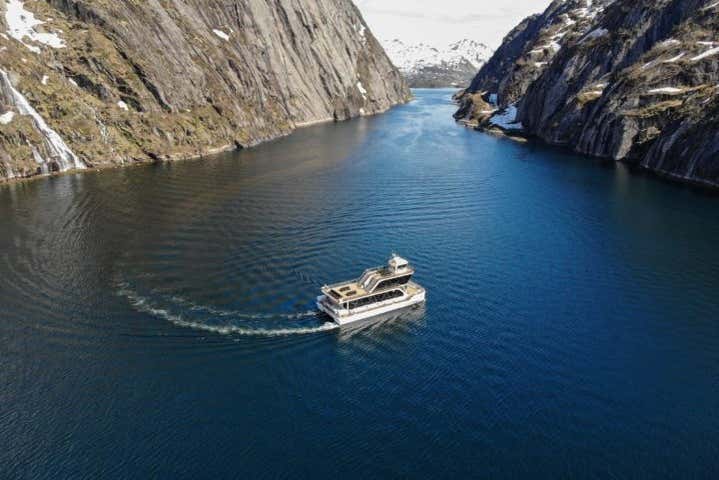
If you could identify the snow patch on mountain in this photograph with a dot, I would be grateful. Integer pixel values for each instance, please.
(429, 65)
(412, 57)
(22, 25)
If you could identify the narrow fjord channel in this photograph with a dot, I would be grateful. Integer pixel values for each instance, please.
(152, 317)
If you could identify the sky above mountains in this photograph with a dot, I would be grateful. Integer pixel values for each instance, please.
(442, 22)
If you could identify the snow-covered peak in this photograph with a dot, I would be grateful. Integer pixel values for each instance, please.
(412, 57)
(477, 53)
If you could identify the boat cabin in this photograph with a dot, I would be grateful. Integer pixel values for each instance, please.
(374, 285)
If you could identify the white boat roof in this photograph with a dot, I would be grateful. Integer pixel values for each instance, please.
(398, 262)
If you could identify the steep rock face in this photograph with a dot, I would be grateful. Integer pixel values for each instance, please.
(128, 81)
(638, 83)
(504, 61)
(530, 47)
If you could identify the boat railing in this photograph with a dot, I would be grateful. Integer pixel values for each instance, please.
(367, 273)
(382, 272)
(373, 283)
(359, 281)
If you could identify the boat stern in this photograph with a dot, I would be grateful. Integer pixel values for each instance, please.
(323, 305)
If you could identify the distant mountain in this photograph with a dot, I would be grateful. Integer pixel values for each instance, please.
(427, 66)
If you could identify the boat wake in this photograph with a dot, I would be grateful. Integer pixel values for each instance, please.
(235, 314)
(225, 322)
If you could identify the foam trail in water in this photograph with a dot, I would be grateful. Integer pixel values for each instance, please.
(231, 329)
(233, 313)
(144, 305)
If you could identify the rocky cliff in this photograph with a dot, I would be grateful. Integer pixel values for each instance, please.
(91, 83)
(632, 80)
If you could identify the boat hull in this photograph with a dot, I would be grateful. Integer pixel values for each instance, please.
(344, 317)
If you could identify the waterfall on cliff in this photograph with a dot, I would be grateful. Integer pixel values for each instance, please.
(59, 153)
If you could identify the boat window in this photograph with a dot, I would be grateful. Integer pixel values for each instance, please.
(380, 297)
(393, 282)
(344, 289)
(353, 292)
(335, 294)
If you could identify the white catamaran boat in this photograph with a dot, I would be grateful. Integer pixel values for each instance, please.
(379, 290)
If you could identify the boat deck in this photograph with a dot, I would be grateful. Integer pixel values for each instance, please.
(413, 288)
(354, 289)
(349, 290)
(410, 288)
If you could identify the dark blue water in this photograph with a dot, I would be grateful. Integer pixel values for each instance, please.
(159, 322)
